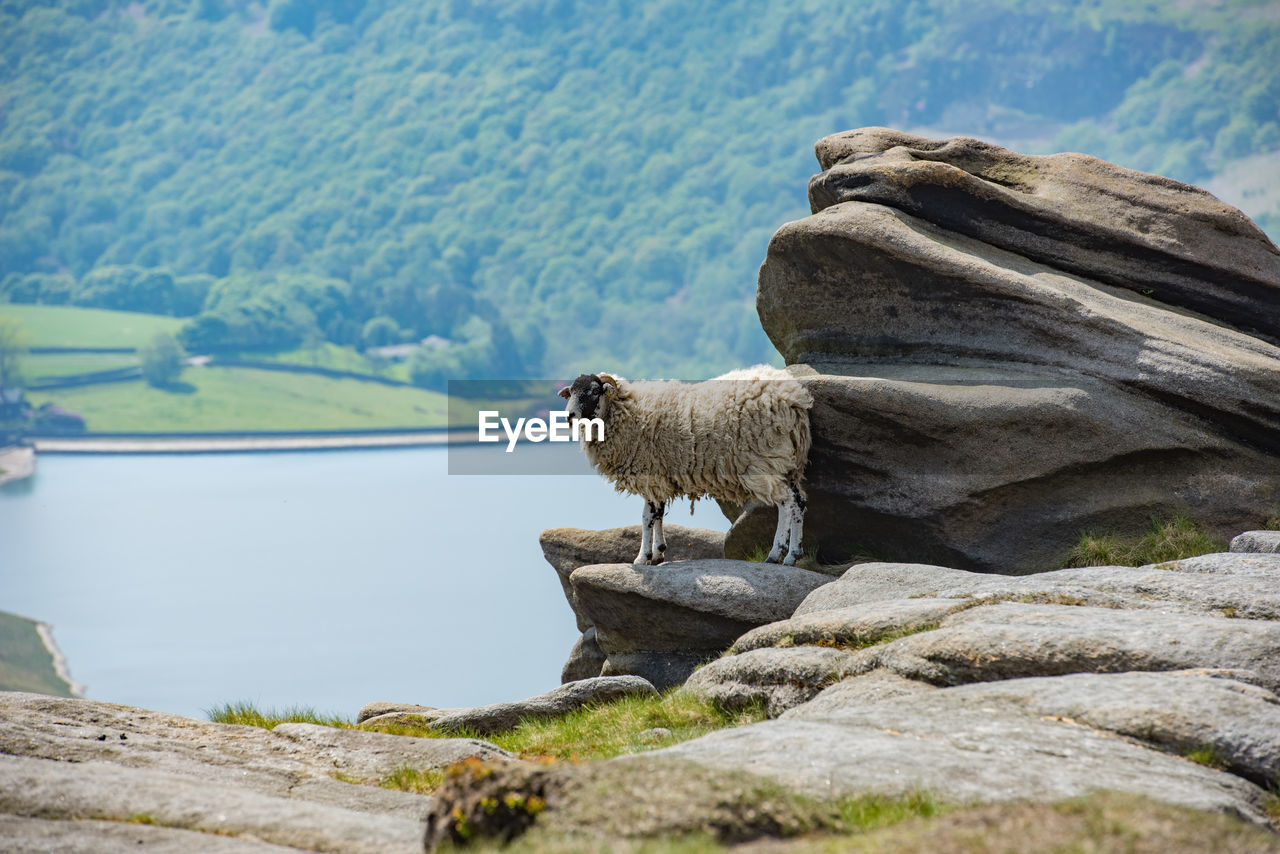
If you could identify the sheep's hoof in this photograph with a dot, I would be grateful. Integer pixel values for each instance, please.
(789, 560)
(657, 559)
(772, 559)
(641, 560)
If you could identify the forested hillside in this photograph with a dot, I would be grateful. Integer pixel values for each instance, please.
(548, 185)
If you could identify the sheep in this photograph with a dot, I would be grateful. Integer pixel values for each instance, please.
(740, 437)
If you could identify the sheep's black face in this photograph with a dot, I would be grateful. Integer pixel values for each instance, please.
(584, 397)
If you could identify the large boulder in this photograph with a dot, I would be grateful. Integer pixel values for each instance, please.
(1006, 350)
(659, 622)
(566, 549)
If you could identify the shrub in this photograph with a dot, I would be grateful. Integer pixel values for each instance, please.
(162, 360)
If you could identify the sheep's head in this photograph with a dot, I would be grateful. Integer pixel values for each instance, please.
(589, 396)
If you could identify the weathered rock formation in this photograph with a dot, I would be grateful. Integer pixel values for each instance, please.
(1006, 350)
(938, 678)
(566, 549)
(79, 775)
(660, 622)
(899, 679)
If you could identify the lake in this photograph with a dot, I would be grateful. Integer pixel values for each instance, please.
(321, 579)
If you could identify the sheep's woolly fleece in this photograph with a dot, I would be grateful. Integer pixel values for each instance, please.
(738, 437)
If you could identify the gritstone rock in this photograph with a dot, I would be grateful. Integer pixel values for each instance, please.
(64, 760)
(660, 621)
(1007, 350)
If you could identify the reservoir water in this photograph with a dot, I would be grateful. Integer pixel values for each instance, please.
(323, 579)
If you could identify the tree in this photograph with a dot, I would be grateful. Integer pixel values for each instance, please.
(380, 331)
(162, 360)
(13, 347)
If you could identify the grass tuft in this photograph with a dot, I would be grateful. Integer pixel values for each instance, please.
(419, 781)
(1165, 540)
(1207, 755)
(1272, 804)
(610, 729)
(246, 714)
(867, 812)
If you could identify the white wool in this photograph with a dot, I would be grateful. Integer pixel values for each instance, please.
(739, 437)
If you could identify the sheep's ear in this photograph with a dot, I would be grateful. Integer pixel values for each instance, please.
(565, 393)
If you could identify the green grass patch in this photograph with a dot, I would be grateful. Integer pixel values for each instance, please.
(25, 664)
(247, 714)
(421, 782)
(44, 366)
(594, 732)
(335, 358)
(244, 399)
(1207, 755)
(1272, 804)
(71, 326)
(1165, 540)
(611, 729)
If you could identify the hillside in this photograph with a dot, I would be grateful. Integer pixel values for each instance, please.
(549, 185)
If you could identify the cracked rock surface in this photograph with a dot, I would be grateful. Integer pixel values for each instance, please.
(92, 776)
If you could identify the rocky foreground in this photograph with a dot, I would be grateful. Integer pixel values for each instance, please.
(895, 680)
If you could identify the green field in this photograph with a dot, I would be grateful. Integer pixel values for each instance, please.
(245, 399)
(69, 326)
(48, 365)
(25, 665)
(337, 358)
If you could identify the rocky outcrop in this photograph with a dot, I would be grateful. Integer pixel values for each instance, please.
(661, 621)
(774, 679)
(1236, 585)
(939, 626)
(1266, 542)
(501, 717)
(993, 689)
(1006, 350)
(174, 783)
(566, 549)
(974, 746)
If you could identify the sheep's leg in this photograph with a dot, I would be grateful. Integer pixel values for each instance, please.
(646, 535)
(797, 525)
(659, 541)
(781, 533)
